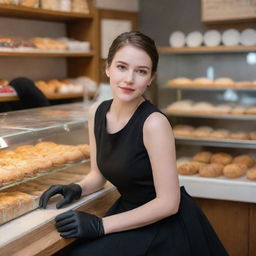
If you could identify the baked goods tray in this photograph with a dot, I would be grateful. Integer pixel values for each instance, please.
(64, 167)
(212, 116)
(210, 88)
(240, 189)
(216, 142)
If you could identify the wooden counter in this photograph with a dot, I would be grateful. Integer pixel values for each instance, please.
(35, 232)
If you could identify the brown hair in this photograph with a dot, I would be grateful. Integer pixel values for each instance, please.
(136, 39)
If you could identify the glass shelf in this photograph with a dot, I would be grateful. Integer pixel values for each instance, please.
(66, 166)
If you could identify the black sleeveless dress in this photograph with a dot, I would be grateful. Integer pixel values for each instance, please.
(123, 160)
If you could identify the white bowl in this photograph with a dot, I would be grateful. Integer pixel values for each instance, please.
(248, 37)
(177, 39)
(212, 38)
(194, 39)
(231, 37)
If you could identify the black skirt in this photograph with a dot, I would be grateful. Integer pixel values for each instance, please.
(187, 233)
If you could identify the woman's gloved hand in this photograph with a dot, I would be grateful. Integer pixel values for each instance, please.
(77, 224)
(70, 192)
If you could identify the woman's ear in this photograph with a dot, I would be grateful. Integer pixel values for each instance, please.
(153, 76)
(107, 70)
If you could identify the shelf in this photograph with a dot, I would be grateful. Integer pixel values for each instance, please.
(40, 14)
(239, 189)
(210, 88)
(216, 142)
(205, 49)
(66, 166)
(8, 98)
(46, 54)
(216, 116)
(56, 96)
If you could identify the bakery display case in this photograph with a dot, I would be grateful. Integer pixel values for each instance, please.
(214, 118)
(39, 148)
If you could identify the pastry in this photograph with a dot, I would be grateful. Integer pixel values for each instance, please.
(211, 170)
(251, 111)
(239, 136)
(238, 110)
(202, 131)
(202, 81)
(219, 134)
(251, 174)
(245, 160)
(180, 81)
(221, 158)
(203, 157)
(183, 130)
(85, 149)
(187, 169)
(252, 135)
(202, 108)
(222, 109)
(234, 170)
(180, 106)
(244, 84)
(224, 82)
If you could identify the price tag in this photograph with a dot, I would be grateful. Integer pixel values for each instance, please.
(3, 143)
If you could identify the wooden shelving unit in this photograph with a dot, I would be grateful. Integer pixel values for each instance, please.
(56, 96)
(79, 26)
(205, 49)
(47, 54)
(17, 11)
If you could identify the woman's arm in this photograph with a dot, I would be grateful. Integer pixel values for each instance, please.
(94, 180)
(159, 142)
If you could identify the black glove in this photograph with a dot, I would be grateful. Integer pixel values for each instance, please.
(76, 224)
(70, 193)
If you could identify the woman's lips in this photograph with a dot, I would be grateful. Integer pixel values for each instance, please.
(126, 89)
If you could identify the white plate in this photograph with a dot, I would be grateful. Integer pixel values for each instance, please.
(231, 37)
(194, 39)
(177, 39)
(248, 37)
(212, 38)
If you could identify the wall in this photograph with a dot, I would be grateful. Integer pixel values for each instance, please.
(159, 18)
(125, 5)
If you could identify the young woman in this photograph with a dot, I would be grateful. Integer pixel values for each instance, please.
(132, 146)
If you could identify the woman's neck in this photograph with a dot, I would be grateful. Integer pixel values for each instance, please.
(121, 110)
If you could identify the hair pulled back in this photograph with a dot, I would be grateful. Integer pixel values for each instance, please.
(136, 39)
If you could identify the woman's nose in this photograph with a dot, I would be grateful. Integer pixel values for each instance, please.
(129, 78)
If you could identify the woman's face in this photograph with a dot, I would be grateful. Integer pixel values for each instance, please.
(130, 73)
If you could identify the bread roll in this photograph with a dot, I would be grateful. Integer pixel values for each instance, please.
(202, 131)
(211, 170)
(203, 157)
(202, 81)
(239, 136)
(180, 81)
(219, 134)
(183, 130)
(251, 111)
(187, 169)
(251, 174)
(252, 135)
(221, 158)
(234, 170)
(224, 82)
(245, 160)
(239, 110)
(244, 84)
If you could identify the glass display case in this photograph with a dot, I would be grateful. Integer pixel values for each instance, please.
(39, 148)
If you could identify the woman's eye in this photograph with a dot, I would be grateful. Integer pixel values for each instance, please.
(142, 72)
(121, 67)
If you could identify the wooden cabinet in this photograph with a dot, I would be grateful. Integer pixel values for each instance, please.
(79, 26)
